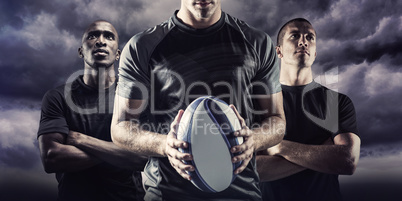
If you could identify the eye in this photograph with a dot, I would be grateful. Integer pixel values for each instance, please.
(309, 37)
(294, 36)
(91, 37)
(109, 36)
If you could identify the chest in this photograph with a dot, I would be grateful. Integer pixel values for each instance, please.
(90, 113)
(309, 116)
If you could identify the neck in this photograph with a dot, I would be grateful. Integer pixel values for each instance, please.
(99, 78)
(295, 76)
(198, 22)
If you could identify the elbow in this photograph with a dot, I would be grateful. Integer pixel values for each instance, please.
(349, 170)
(114, 134)
(115, 131)
(49, 161)
(351, 158)
(349, 165)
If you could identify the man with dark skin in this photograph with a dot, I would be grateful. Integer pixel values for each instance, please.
(199, 51)
(74, 132)
(321, 138)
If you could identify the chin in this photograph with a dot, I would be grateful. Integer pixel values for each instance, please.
(303, 65)
(102, 65)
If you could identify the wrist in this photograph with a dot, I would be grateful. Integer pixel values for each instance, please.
(164, 146)
(75, 138)
(281, 148)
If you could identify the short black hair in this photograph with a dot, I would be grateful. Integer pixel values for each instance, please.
(281, 32)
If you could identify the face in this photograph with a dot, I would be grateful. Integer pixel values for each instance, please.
(202, 9)
(100, 45)
(299, 45)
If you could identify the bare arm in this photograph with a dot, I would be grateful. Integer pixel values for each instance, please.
(106, 151)
(127, 133)
(273, 127)
(59, 157)
(271, 168)
(340, 158)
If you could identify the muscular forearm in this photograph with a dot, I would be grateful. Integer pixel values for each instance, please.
(107, 151)
(271, 168)
(128, 135)
(331, 159)
(270, 133)
(66, 158)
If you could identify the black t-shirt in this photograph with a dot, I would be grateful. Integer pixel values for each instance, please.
(78, 107)
(172, 64)
(314, 113)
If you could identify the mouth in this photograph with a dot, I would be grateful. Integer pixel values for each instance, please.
(203, 3)
(100, 52)
(302, 51)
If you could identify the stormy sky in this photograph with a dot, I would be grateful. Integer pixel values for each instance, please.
(359, 51)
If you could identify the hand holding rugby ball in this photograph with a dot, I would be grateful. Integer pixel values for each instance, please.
(207, 125)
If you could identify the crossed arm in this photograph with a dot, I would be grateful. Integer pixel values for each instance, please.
(338, 157)
(127, 133)
(76, 151)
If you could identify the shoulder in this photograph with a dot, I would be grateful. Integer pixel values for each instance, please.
(55, 93)
(343, 99)
(140, 47)
(58, 93)
(249, 32)
(151, 36)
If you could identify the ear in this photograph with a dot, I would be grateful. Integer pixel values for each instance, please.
(118, 53)
(80, 52)
(279, 51)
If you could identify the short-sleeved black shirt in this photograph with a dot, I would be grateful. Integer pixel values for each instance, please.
(314, 113)
(172, 64)
(78, 107)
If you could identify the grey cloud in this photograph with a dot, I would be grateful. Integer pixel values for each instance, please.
(378, 151)
(19, 157)
(18, 144)
(271, 15)
(385, 41)
(353, 20)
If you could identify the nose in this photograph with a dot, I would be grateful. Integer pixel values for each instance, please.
(302, 42)
(101, 41)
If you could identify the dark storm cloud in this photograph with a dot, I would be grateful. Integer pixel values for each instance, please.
(271, 15)
(354, 20)
(386, 40)
(18, 144)
(18, 157)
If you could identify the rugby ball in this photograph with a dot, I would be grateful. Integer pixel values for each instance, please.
(207, 125)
